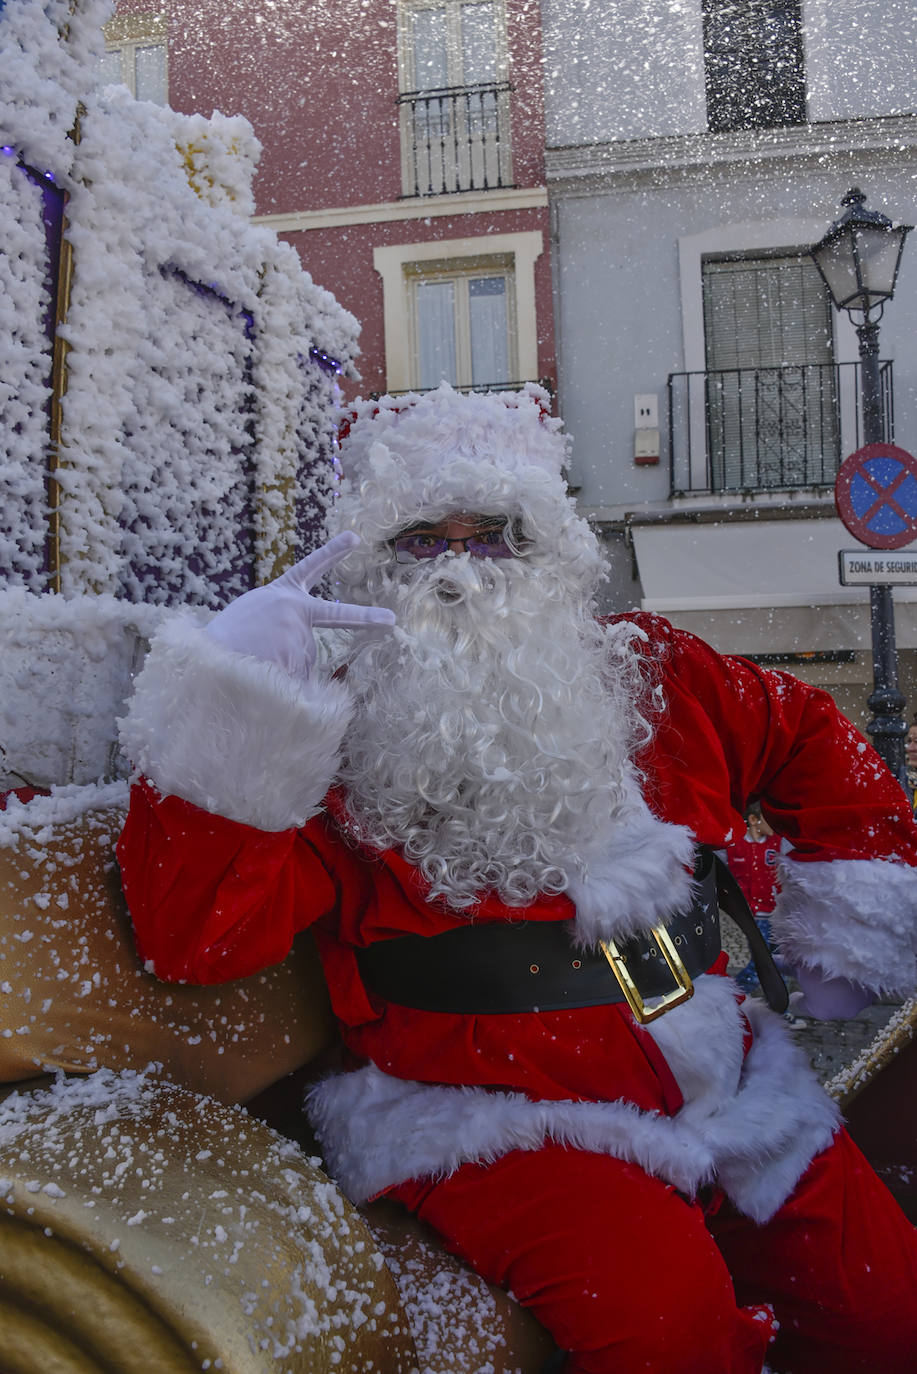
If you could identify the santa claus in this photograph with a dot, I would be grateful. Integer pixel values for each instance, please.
(498, 813)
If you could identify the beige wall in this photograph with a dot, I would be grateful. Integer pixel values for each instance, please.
(850, 684)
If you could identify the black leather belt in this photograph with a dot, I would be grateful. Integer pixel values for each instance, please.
(512, 967)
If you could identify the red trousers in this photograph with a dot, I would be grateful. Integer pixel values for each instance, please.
(628, 1276)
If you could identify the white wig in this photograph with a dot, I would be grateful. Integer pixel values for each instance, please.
(413, 457)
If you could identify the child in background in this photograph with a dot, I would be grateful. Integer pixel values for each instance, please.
(753, 861)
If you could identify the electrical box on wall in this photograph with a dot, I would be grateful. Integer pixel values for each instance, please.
(646, 429)
(646, 446)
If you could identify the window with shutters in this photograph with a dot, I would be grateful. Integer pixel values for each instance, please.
(454, 101)
(754, 64)
(772, 402)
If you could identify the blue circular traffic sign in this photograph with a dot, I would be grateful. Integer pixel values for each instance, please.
(876, 496)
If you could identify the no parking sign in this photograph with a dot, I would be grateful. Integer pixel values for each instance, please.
(876, 496)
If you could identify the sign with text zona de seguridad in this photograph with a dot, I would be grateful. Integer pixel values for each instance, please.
(864, 567)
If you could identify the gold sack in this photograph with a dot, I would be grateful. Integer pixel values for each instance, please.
(73, 995)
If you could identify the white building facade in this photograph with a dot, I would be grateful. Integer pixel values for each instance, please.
(696, 150)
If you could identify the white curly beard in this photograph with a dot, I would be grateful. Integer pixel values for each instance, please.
(494, 728)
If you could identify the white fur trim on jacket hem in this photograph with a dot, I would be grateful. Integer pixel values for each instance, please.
(703, 1044)
(765, 1138)
(642, 876)
(756, 1142)
(850, 918)
(236, 736)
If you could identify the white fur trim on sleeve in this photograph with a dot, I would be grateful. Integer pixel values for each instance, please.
(851, 918)
(236, 736)
(641, 876)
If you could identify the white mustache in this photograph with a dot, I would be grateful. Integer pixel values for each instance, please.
(460, 576)
(446, 602)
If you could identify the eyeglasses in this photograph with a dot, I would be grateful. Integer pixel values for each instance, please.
(419, 544)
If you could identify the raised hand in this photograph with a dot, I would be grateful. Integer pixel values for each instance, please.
(826, 998)
(275, 623)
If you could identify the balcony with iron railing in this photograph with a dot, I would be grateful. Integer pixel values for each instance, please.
(767, 428)
(548, 384)
(456, 139)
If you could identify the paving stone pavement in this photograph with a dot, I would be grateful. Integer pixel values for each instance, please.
(833, 1045)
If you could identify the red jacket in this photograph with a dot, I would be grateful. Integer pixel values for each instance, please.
(754, 867)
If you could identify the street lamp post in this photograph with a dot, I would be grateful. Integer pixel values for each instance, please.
(858, 259)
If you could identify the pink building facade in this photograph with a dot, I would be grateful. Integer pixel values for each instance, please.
(403, 156)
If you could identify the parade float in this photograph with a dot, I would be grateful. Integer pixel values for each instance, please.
(168, 405)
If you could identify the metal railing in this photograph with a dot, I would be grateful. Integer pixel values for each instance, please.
(456, 139)
(547, 383)
(767, 428)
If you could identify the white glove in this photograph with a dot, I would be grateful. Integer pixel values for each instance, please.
(828, 999)
(275, 622)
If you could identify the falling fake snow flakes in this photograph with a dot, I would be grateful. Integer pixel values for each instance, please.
(449, 1309)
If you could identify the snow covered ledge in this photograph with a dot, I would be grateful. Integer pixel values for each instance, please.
(66, 665)
(234, 735)
(853, 918)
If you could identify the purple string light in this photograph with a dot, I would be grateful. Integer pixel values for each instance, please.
(325, 361)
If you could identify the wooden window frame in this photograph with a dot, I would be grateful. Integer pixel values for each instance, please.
(401, 264)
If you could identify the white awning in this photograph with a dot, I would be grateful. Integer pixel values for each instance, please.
(768, 587)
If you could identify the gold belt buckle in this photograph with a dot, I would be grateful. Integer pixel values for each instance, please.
(684, 988)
